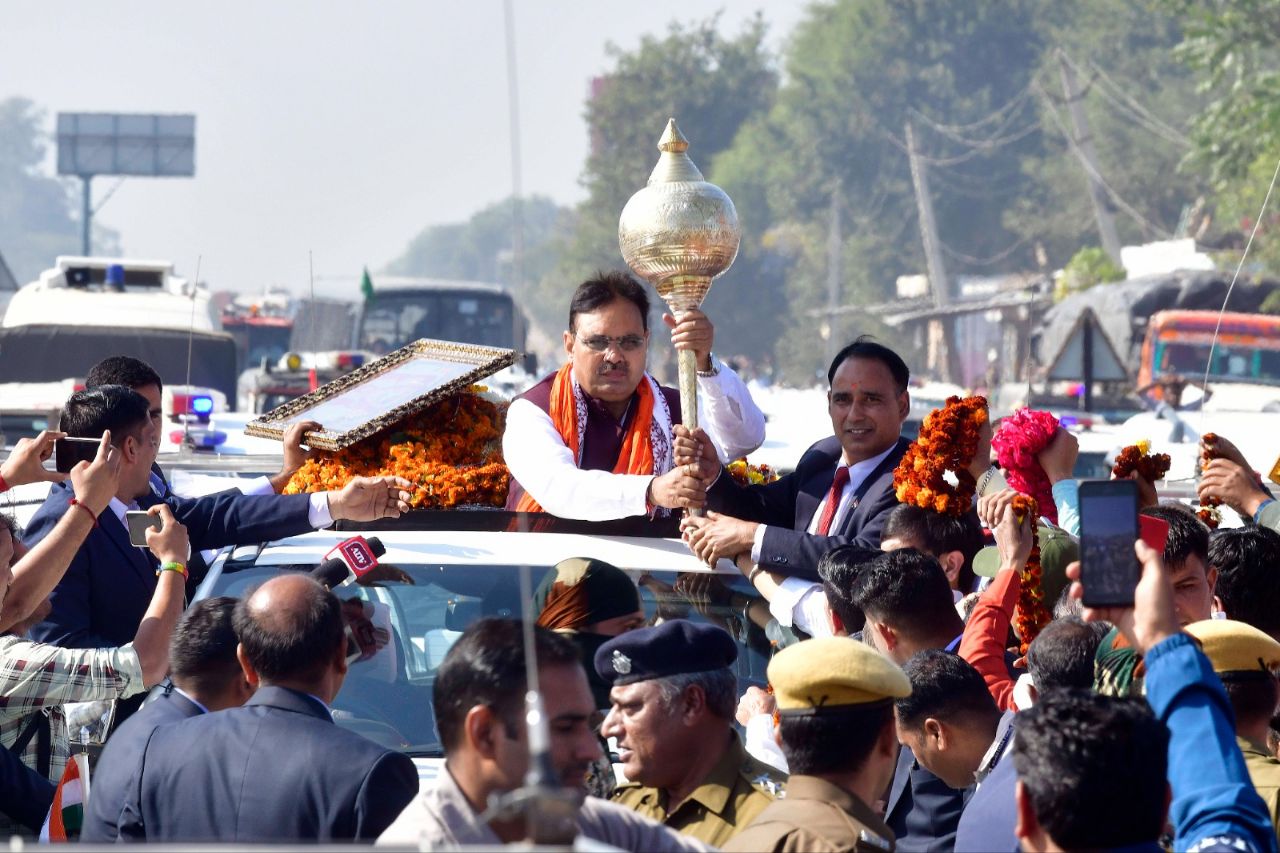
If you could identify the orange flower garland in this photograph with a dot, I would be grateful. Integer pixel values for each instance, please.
(746, 474)
(1032, 614)
(450, 450)
(1208, 511)
(948, 440)
(1137, 457)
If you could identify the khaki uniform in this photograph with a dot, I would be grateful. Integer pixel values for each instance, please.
(733, 794)
(815, 816)
(1264, 772)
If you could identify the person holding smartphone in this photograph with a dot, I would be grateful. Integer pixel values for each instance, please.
(1070, 793)
(36, 679)
(102, 598)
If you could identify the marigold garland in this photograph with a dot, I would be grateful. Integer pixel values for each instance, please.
(450, 450)
(1137, 457)
(746, 474)
(1032, 613)
(1209, 511)
(948, 440)
(1020, 438)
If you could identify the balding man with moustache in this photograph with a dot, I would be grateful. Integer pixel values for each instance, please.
(276, 769)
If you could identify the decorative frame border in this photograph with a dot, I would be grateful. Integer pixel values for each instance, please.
(487, 360)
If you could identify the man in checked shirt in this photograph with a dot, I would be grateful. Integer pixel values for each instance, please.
(37, 678)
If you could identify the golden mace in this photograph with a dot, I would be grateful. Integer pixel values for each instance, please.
(679, 233)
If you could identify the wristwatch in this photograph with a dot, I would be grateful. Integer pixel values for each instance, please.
(715, 367)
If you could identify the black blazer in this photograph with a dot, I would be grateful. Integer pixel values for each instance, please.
(106, 590)
(922, 810)
(120, 759)
(275, 770)
(788, 505)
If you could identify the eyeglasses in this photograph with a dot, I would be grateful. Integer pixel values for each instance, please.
(626, 343)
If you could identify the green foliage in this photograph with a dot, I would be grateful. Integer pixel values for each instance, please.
(1087, 268)
(1233, 46)
(711, 84)
(37, 222)
(1271, 305)
(1137, 98)
(480, 249)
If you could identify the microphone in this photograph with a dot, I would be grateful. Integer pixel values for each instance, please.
(349, 561)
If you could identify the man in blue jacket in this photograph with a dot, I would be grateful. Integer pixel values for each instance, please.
(1095, 772)
(102, 596)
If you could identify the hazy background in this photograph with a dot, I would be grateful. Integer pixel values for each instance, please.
(335, 127)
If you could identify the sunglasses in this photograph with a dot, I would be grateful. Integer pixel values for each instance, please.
(600, 343)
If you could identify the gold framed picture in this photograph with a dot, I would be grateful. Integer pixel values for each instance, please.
(382, 392)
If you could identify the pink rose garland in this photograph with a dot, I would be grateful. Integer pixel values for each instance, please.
(1019, 439)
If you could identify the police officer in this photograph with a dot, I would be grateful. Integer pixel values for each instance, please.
(835, 707)
(1245, 658)
(673, 693)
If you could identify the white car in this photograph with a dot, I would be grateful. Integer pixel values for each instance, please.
(432, 583)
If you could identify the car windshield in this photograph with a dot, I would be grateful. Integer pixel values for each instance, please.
(425, 608)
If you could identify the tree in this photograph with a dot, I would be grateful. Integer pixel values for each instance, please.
(36, 219)
(1233, 45)
(1137, 97)
(856, 72)
(711, 84)
(480, 249)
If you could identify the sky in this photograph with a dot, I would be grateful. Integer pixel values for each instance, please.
(332, 128)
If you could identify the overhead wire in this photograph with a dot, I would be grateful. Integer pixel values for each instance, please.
(1155, 123)
(1213, 343)
(1111, 192)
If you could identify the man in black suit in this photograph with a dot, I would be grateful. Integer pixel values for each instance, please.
(104, 592)
(205, 676)
(841, 490)
(276, 769)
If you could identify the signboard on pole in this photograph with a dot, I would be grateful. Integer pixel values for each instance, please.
(152, 146)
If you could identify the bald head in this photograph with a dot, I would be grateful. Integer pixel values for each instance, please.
(290, 629)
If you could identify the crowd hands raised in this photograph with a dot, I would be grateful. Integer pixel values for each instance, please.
(898, 700)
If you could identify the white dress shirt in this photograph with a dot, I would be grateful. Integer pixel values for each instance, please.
(541, 462)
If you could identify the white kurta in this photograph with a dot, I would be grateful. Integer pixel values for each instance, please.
(544, 466)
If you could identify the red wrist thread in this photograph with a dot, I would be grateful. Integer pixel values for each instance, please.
(74, 502)
(4, 484)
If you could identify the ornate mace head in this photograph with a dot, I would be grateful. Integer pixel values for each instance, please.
(679, 232)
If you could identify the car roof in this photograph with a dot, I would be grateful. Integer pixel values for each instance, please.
(470, 547)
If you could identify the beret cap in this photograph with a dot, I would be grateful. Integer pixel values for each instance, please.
(675, 647)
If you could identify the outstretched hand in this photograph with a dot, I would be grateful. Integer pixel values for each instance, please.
(26, 462)
(371, 498)
(717, 536)
(295, 455)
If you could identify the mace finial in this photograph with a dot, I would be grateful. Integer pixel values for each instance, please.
(673, 140)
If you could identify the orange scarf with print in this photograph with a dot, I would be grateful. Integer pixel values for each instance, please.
(636, 456)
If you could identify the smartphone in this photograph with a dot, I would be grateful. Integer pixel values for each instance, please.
(138, 521)
(1109, 569)
(70, 450)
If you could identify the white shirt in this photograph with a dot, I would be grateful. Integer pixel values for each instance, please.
(541, 462)
(858, 472)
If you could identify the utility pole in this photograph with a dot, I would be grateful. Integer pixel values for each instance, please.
(946, 359)
(835, 239)
(1084, 149)
(517, 190)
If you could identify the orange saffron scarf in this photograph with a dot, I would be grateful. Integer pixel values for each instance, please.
(636, 455)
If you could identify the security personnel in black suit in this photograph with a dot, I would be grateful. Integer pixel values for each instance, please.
(276, 770)
(840, 492)
(205, 676)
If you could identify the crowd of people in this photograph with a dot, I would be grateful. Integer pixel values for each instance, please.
(908, 705)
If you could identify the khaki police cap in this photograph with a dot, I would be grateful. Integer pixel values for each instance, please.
(833, 672)
(1233, 646)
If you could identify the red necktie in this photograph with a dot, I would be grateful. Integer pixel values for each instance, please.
(833, 500)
